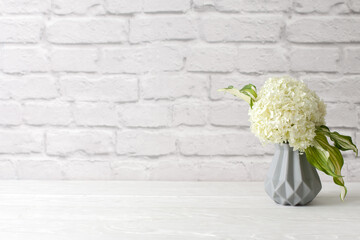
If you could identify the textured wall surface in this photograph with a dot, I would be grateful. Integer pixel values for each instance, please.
(126, 89)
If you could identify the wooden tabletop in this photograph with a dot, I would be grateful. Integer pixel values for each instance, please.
(71, 210)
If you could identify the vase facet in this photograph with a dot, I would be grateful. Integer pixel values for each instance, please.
(291, 179)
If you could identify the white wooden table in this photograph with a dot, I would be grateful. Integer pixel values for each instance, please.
(71, 210)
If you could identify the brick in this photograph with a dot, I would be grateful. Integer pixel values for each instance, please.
(24, 6)
(314, 59)
(190, 114)
(257, 167)
(341, 115)
(166, 5)
(47, 114)
(66, 142)
(262, 59)
(222, 169)
(4, 93)
(243, 5)
(87, 170)
(327, 30)
(229, 114)
(95, 114)
(219, 143)
(11, 112)
(241, 29)
(203, 5)
(87, 31)
(7, 170)
(39, 169)
(114, 88)
(123, 6)
(64, 7)
(29, 87)
(24, 30)
(145, 143)
(317, 6)
(132, 169)
(24, 59)
(358, 120)
(345, 89)
(354, 5)
(147, 115)
(74, 60)
(354, 170)
(173, 169)
(141, 59)
(352, 60)
(254, 6)
(20, 141)
(161, 28)
(173, 86)
(212, 59)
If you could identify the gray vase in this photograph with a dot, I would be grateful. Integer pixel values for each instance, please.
(291, 179)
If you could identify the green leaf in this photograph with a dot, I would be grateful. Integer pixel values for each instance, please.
(236, 93)
(249, 90)
(343, 190)
(247, 93)
(342, 142)
(336, 159)
(323, 129)
(319, 158)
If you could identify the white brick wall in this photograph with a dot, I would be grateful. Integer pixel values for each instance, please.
(93, 30)
(126, 89)
(241, 29)
(74, 60)
(20, 30)
(24, 60)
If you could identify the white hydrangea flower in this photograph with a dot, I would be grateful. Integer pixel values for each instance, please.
(287, 111)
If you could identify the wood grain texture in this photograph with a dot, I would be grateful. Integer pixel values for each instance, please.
(110, 210)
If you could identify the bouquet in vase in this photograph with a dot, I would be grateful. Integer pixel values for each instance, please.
(286, 111)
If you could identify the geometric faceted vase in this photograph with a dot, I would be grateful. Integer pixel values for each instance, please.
(291, 179)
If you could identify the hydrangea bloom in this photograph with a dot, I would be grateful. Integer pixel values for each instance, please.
(286, 110)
